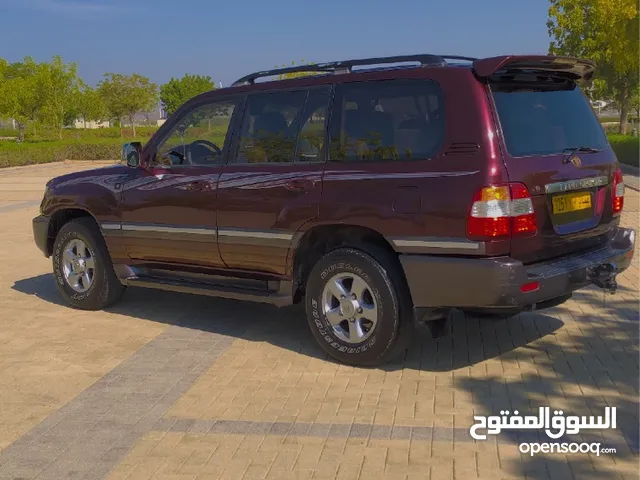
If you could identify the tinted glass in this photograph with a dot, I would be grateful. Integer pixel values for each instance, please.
(537, 119)
(270, 127)
(311, 137)
(198, 138)
(389, 120)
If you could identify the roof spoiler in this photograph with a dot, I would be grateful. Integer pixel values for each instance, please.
(575, 68)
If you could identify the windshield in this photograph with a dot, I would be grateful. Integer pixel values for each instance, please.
(543, 119)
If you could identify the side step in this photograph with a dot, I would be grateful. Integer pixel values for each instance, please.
(278, 298)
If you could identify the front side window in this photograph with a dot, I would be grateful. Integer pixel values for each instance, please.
(270, 127)
(387, 120)
(198, 137)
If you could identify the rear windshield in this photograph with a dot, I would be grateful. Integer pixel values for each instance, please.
(546, 119)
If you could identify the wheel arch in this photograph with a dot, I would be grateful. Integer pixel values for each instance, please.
(61, 217)
(310, 246)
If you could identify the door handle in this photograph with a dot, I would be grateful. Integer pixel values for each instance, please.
(299, 185)
(199, 185)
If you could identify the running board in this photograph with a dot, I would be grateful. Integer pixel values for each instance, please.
(278, 298)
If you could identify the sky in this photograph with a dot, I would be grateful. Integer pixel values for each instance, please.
(226, 40)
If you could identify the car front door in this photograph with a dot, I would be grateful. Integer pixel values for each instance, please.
(272, 183)
(169, 209)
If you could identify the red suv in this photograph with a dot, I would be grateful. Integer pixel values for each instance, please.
(379, 196)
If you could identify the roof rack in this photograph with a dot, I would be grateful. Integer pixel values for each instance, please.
(346, 66)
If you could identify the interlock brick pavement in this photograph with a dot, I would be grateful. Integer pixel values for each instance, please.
(171, 386)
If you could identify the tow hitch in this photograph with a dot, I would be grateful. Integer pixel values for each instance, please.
(604, 276)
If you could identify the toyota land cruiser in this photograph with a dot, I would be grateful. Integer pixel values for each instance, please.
(379, 192)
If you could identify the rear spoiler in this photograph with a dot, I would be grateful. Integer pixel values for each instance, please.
(574, 68)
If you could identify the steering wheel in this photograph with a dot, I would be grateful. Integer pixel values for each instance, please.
(208, 144)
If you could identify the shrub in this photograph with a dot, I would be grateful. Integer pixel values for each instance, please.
(627, 148)
(611, 128)
(14, 154)
(8, 132)
(93, 133)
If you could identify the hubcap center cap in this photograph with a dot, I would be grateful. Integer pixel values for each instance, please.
(349, 307)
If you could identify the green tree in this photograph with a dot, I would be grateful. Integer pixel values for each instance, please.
(285, 76)
(178, 90)
(61, 87)
(605, 31)
(90, 106)
(4, 65)
(598, 89)
(634, 102)
(22, 95)
(127, 95)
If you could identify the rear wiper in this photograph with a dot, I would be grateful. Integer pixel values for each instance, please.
(571, 151)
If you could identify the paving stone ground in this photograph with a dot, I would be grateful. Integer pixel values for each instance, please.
(171, 386)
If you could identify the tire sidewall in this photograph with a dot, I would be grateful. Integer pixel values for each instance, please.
(70, 232)
(386, 330)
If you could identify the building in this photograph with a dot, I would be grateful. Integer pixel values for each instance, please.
(79, 123)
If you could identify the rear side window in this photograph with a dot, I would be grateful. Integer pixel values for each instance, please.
(541, 119)
(310, 146)
(270, 127)
(386, 121)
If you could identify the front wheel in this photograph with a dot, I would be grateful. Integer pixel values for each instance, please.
(356, 307)
(82, 267)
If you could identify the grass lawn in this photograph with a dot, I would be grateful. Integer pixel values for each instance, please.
(627, 148)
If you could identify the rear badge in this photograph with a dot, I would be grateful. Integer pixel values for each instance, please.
(575, 161)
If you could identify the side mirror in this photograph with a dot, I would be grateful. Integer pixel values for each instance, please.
(130, 153)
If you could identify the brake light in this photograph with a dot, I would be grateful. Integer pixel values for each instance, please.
(617, 192)
(501, 211)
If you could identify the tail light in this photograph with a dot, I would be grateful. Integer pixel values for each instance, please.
(501, 211)
(617, 192)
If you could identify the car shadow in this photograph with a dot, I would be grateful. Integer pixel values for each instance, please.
(592, 364)
(595, 366)
(468, 341)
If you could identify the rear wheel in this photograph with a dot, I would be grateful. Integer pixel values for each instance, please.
(357, 307)
(82, 267)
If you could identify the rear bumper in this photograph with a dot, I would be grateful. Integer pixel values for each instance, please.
(495, 283)
(41, 233)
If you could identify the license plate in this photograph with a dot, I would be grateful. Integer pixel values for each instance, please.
(571, 202)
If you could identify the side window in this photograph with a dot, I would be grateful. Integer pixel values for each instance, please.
(270, 127)
(311, 137)
(198, 137)
(387, 120)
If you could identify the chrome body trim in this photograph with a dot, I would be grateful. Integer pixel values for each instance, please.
(129, 227)
(262, 234)
(435, 243)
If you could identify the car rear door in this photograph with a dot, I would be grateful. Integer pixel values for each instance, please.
(272, 183)
(553, 143)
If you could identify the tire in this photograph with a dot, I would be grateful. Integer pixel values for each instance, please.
(386, 292)
(104, 288)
